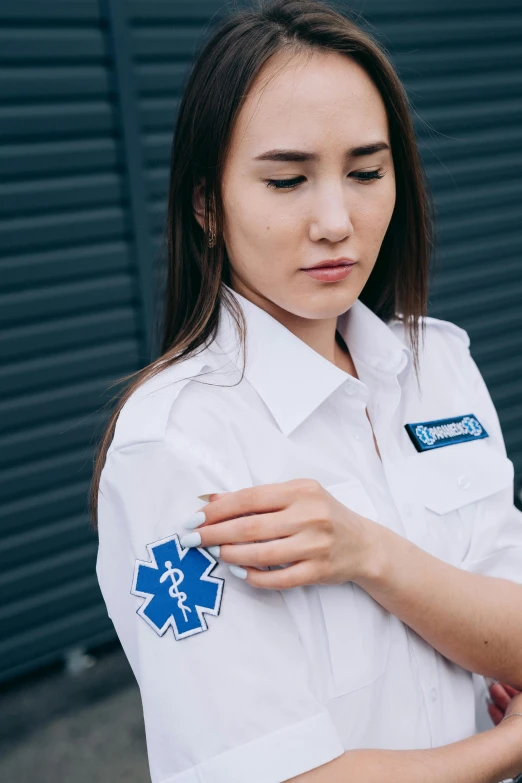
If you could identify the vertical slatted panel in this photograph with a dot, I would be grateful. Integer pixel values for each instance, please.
(164, 37)
(69, 318)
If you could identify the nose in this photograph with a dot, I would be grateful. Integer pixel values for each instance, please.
(331, 218)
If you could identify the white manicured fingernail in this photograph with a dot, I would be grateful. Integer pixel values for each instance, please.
(214, 550)
(191, 539)
(196, 519)
(242, 573)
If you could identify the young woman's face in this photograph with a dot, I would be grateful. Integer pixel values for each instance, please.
(330, 207)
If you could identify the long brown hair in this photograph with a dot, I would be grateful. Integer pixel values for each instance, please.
(222, 75)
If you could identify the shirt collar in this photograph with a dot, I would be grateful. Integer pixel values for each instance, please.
(292, 378)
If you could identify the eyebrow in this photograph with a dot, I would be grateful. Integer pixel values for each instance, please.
(299, 156)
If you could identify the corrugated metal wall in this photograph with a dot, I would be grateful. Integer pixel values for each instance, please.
(88, 99)
(69, 317)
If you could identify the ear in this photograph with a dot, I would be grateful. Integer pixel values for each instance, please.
(198, 203)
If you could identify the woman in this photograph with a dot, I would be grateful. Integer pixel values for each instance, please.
(320, 617)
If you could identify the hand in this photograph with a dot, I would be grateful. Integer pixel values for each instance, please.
(503, 696)
(295, 522)
(515, 705)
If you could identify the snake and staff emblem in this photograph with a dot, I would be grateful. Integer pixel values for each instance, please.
(177, 577)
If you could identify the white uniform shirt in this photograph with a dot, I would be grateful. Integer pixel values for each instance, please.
(276, 683)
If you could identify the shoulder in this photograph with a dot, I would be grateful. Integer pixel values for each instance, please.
(145, 414)
(439, 335)
(170, 436)
(444, 352)
(446, 329)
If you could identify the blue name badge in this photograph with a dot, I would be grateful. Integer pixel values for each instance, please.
(426, 435)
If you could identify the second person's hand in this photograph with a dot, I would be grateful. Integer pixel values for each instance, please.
(502, 697)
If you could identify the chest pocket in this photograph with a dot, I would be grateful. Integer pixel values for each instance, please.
(454, 484)
(357, 626)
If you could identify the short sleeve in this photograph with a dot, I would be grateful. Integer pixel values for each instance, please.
(228, 704)
(496, 546)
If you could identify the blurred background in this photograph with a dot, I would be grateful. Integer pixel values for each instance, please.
(89, 91)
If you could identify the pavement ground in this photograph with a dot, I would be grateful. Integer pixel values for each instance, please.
(74, 728)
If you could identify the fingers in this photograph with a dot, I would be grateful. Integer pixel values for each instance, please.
(510, 690)
(250, 529)
(500, 696)
(495, 714)
(262, 554)
(250, 500)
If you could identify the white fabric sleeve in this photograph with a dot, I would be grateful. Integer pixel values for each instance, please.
(496, 547)
(229, 704)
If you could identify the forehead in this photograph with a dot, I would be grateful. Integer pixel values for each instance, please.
(309, 99)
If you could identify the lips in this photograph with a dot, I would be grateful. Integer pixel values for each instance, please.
(331, 264)
(330, 274)
(328, 266)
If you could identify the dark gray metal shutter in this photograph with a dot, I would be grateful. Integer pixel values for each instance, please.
(88, 99)
(69, 318)
(75, 287)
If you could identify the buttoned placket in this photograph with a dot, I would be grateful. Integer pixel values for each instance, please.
(387, 383)
(359, 429)
(383, 404)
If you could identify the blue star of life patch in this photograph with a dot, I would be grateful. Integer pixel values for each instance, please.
(159, 581)
(427, 435)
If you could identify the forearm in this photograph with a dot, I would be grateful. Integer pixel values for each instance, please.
(488, 757)
(473, 620)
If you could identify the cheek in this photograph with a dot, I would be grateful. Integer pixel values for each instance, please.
(258, 235)
(256, 224)
(375, 212)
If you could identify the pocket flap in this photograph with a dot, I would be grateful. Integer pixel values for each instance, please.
(453, 476)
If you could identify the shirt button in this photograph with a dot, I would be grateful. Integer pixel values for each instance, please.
(350, 389)
(464, 482)
(356, 436)
(433, 694)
